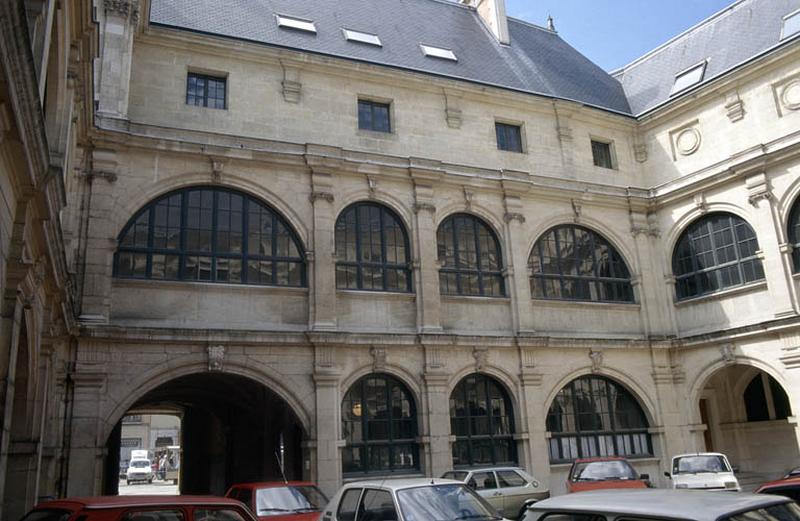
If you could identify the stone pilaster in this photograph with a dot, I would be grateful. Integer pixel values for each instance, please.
(86, 450)
(517, 265)
(656, 306)
(119, 24)
(426, 266)
(439, 452)
(327, 426)
(532, 441)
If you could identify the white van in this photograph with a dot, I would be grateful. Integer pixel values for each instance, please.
(139, 470)
(703, 471)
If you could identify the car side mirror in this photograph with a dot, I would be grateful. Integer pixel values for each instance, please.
(735, 469)
(666, 474)
(644, 477)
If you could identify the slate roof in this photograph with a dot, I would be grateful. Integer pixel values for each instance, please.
(537, 61)
(727, 39)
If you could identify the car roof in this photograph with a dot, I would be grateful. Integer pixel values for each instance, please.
(485, 469)
(604, 458)
(136, 501)
(274, 484)
(664, 503)
(783, 482)
(401, 483)
(699, 454)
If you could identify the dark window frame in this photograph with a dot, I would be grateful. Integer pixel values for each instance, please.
(375, 108)
(468, 386)
(690, 283)
(579, 435)
(360, 264)
(204, 98)
(392, 440)
(459, 270)
(509, 137)
(618, 285)
(183, 252)
(603, 154)
(793, 230)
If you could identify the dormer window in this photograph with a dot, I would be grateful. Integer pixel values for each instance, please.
(791, 25)
(688, 78)
(438, 52)
(296, 23)
(357, 36)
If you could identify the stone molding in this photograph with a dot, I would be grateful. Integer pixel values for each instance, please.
(123, 8)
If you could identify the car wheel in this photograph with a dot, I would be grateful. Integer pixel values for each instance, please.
(149, 481)
(175, 481)
(127, 482)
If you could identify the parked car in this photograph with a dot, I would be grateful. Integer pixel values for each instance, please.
(703, 471)
(600, 473)
(419, 499)
(139, 470)
(510, 490)
(123, 469)
(663, 504)
(140, 508)
(787, 486)
(281, 501)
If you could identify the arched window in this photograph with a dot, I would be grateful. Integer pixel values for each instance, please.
(794, 234)
(371, 249)
(210, 234)
(765, 399)
(594, 416)
(574, 263)
(716, 252)
(470, 256)
(482, 420)
(379, 424)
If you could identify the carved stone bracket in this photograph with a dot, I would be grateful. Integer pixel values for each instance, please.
(372, 185)
(728, 353)
(734, 107)
(468, 196)
(452, 109)
(378, 358)
(123, 8)
(481, 355)
(576, 210)
(596, 357)
(291, 88)
(216, 356)
(325, 196)
(217, 166)
(758, 189)
(640, 152)
(700, 203)
(424, 207)
(514, 216)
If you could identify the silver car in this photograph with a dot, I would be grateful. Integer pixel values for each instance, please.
(663, 505)
(508, 489)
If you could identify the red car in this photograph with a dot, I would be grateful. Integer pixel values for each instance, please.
(140, 508)
(787, 486)
(281, 501)
(597, 473)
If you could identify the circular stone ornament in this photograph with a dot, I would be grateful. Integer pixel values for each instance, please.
(791, 95)
(687, 141)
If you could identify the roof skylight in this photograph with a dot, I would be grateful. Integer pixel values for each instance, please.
(296, 23)
(438, 52)
(357, 36)
(689, 77)
(791, 25)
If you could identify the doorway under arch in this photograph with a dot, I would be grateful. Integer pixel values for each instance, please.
(233, 429)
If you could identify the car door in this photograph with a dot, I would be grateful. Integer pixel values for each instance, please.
(515, 490)
(377, 505)
(485, 484)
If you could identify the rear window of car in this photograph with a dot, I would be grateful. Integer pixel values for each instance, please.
(782, 512)
(153, 515)
(216, 514)
(790, 492)
(455, 474)
(562, 516)
(48, 514)
(509, 478)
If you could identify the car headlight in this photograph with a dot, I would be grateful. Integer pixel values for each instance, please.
(535, 484)
(681, 485)
(731, 484)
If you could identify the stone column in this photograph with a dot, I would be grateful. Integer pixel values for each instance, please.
(773, 244)
(516, 244)
(327, 426)
(439, 451)
(87, 449)
(533, 417)
(426, 266)
(322, 274)
(656, 306)
(119, 24)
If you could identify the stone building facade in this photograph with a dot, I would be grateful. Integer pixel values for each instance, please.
(628, 284)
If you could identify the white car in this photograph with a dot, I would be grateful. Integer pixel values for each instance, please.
(703, 471)
(418, 499)
(139, 470)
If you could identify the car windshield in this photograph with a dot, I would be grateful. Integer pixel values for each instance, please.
(782, 512)
(443, 503)
(456, 475)
(603, 471)
(274, 501)
(140, 464)
(698, 464)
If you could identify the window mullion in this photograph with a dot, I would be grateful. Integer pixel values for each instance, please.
(457, 257)
(182, 239)
(382, 223)
(151, 217)
(359, 252)
(274, 248)
(214, 225)
(475, 238)
(245, 238)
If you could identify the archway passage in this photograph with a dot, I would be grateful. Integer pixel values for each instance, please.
(233, 430)
(746, 412)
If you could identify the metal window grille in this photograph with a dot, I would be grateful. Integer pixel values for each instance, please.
(210, 235)
(509, 137)
(374, 116)
(714, 253)
(482, 420)
(206, 91)
(794, 235)
(574, 263)
(470, 255)
(372, 250)
(601, 152)
(379, 424)
(593, 416)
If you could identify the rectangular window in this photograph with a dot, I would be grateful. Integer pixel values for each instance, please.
(358, 36)
(373, 115)
(287, 22)
(601, 152)
(206, 91)
(509, 137)
(791, 25)
(688, 78)
(438, 52)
